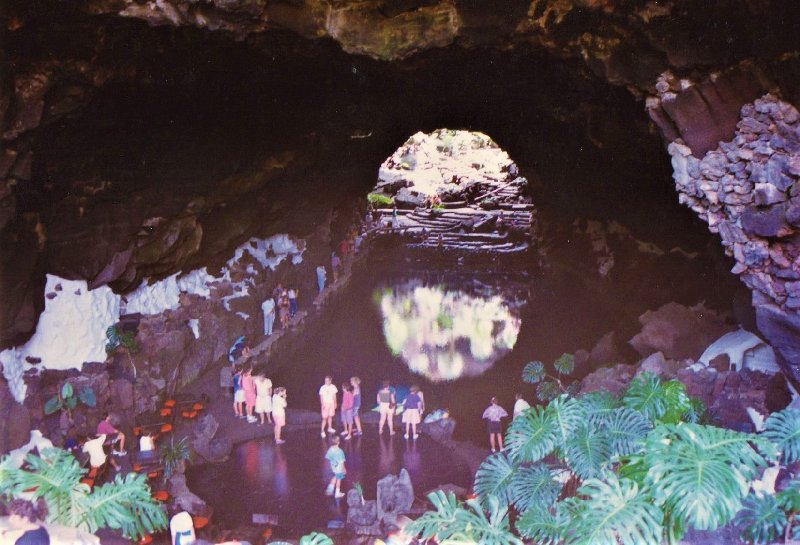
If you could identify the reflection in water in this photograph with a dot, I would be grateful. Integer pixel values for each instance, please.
(445, 334)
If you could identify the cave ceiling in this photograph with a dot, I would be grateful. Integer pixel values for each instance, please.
(145, 137)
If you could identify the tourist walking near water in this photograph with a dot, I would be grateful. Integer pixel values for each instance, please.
(263, 398)
(414, 406)
(493, 414)
(335, 265)
(386, 405)
(347, 410)
(279, 413)
(355, 382)
(327, 401)
(268, 308)
(336, 459)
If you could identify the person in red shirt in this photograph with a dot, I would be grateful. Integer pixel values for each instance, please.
(113, 435)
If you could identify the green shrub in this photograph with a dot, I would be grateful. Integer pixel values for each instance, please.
(380, 200)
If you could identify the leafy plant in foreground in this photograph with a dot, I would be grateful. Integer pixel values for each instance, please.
(66, 400)
(55, 475)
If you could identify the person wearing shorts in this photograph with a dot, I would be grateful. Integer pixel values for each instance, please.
(347, 410)
(414, 406)
(263, 398)
(113, 435)
(327, 402)
(279, 413)
(238, 393)
(493, 414)
(355, 382)
(336, 458)
(386, 405)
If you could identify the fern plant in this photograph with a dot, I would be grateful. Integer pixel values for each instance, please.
(124, 504)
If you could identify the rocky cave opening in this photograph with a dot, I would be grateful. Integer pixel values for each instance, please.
(144, 142)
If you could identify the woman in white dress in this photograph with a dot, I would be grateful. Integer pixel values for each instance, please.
(263, 398)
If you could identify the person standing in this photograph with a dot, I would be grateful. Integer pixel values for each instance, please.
(238, 392)
(263, 398)
(386, 404)
(347, 410)
(283, 310)
(249, 387)
(268, 308)
(520, 405)
(322, 275)
(414, 406)
(493, 414)
(355, 382)
(279, 413)
(292, 294)
(336, 459)
(335, 265)
(327, 402)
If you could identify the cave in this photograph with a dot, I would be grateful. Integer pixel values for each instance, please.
(166, 163)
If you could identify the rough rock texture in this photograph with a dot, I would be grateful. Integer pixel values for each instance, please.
(395, 497)
(15, 426)
(678, 332)
(747, 190)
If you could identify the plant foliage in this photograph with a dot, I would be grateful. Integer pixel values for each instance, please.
(761, 519)
(783, 430)
(54, 476)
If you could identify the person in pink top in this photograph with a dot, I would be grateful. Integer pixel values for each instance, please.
(113, 435)
(347, 410)
(249, 387)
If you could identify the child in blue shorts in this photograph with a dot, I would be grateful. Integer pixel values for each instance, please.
(336, 458)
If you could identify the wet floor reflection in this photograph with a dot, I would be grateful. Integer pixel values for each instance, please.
(289, 480)
(447, 333)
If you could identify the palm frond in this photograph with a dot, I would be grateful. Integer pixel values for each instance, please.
(533, 486)
(700, 473)
(493, 479)
(531, 436)
(783, 430)
(124, 504)
(587, 450)
(761, 520)
(615, 512)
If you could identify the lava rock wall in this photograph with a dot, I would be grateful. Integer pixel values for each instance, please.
(748, 191)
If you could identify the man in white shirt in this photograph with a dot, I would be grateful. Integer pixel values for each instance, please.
(268, 308)
(520, 405)
(97, 455)
(327, 401)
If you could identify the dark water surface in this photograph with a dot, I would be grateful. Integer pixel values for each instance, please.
(289, 480)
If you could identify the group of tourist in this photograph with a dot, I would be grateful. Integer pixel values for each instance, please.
(253, 395)
(282, 304)
(494, 414)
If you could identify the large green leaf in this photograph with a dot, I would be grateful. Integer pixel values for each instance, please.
(533, 372)
(52, 405)
(587, 450)
(125, 504)
(564, 364)
(761, 520)
(493, 479)
(678, 404)
(646, 395)
(66, 390)
(700, 473)
(531, 436)
(568, 415)
(542, 526)
(87, 397)
(451, 523)
(547, 390)
(533, 486)
(615, 512)
(599, 405)
(783, 430)
(627, 430)
(315, 538)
